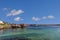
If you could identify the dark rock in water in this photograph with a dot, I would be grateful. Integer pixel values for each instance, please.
(22, 26)
(18, 26)
(14, 27)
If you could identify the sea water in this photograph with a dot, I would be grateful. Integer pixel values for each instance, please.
(31, 33)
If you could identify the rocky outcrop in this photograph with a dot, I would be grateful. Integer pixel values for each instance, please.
(19, 25)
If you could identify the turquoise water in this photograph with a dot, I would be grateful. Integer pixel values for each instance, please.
(32, 33)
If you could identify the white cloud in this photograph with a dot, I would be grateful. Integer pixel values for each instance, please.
(18, 19)
(35, 18)
(44, 17)
(4, 9)
(15, 12)
(51, 17)
(21, 19)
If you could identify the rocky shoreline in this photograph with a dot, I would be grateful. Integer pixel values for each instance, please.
(5, 25)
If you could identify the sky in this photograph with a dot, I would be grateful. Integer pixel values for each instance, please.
(30, 11)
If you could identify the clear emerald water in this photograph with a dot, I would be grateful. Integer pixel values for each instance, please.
(32, 33)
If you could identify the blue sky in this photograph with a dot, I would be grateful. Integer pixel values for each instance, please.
(30, 11)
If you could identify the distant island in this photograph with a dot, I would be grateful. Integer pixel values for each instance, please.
(5, 25)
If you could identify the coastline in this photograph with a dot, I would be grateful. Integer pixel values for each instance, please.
(9, 26)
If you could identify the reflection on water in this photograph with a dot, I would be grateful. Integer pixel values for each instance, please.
(1, 32)
(33, 33)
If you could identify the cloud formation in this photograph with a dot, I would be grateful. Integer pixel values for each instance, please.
(44, 17)
(51, 17)
(35, 18)
(5, 9)
(15, 12)
(18, 19)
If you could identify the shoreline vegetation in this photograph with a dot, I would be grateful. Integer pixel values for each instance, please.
(5, 25)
